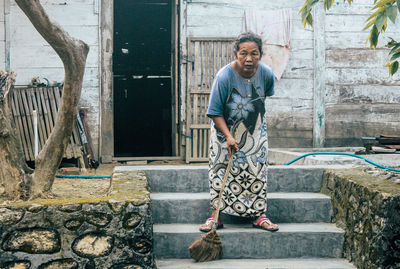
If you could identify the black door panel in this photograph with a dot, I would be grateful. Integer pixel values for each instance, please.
(142, 78)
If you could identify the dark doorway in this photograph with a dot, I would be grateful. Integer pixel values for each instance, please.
(142, 78)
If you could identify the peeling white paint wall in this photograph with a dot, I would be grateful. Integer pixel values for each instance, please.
(31, 56)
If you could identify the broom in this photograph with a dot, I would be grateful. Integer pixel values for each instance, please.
(209, 247)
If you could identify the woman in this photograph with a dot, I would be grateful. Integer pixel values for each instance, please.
(237, 109)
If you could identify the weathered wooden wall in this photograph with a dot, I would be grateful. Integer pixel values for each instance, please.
(290, 110)
(360, 98)
(31, 56)
(4, 15)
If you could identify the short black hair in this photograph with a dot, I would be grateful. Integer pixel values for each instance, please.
(248, 37)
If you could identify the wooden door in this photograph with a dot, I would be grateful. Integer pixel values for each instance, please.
(205, 57)
(142, 71)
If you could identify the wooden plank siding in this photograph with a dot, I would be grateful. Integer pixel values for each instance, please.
(361, 100)
(355, 76)
(30, 55)
(45, 100)
(290, 110)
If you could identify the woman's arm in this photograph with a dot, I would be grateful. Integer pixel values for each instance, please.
(231, 143)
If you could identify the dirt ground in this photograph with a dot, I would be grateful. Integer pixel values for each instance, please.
(86, 188)
(70, 188)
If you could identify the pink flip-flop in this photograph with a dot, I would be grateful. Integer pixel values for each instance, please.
(210, 222)
(261, 221)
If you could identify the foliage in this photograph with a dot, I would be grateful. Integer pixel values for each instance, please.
(377, 23)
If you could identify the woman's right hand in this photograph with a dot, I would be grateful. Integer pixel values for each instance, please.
(232, 145)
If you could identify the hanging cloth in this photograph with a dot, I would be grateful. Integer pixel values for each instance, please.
(274, 26)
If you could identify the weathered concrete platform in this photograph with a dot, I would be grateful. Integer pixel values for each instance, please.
(306, 239)
(241, 241)
(256, 263)
(282, 207)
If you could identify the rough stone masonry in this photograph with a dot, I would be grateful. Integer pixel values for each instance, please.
(367, 207)
(104, 232)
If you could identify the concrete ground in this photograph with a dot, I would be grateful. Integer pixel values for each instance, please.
(283, 156)
(276, 156)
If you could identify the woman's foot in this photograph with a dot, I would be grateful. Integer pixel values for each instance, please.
(265, 224)
(208, 225)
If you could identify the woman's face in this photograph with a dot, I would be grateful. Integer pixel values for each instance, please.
(247, 58)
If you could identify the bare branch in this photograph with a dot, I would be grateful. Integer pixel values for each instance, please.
(73, 53)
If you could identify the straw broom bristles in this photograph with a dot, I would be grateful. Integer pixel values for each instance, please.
(209, 246)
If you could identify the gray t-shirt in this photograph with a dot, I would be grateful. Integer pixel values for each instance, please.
(227, 79)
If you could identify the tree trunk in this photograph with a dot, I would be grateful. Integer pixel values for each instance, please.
(73, 53)
(14, 173)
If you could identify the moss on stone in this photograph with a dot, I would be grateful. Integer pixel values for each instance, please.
(371, 182)
(366, 206)
(127, 187)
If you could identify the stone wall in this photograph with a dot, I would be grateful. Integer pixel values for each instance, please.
(104, 232)
(367, 207)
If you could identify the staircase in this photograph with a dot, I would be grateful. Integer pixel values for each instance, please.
(306, 238)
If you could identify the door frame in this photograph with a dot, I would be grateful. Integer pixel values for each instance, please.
(106, 33)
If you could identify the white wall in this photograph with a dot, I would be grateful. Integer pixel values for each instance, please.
(31, 56)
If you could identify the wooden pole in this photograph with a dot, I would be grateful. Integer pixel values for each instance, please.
(319, 77)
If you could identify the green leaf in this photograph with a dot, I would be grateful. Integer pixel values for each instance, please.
(374, 14)
(398, 5)
(305, 11)
(329, 3)
(380, 21)
(368, 25)
(391, 43)
(394, 48)
(374, 37)
(382, 3)
(395, 56)
(384, 26)
(311, 4)
(393, 68)
(309, 19)
(303, 7)
(392, 13)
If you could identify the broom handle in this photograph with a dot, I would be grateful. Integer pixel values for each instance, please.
(228, 169)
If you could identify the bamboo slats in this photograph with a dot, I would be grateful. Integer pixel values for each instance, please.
(46, 101)
(206, 56)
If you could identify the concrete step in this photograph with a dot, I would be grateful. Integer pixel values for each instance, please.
(281, 208)
(256, 263)
(185, 178)
(302, 240)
